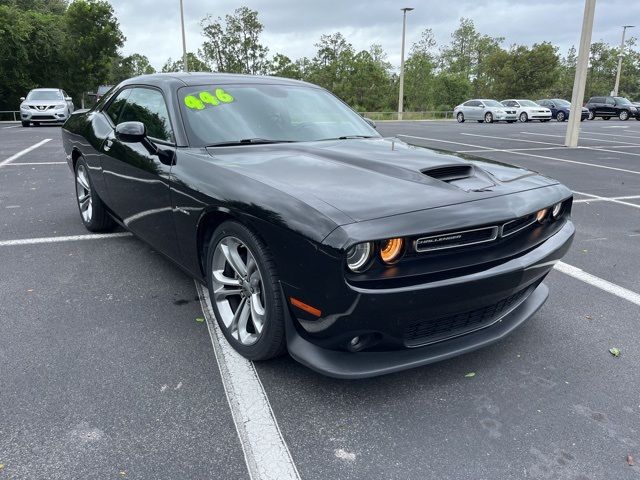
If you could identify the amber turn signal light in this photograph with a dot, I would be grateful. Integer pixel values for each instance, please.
(391, 250)
(541, 215)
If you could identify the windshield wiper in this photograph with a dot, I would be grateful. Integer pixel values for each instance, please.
(349, 137)
(248, 141)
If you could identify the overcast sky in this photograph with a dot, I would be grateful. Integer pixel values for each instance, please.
(291, 27)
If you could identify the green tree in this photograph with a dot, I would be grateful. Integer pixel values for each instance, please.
(193, 62)
(127, 67)
(233, 44)
(282, 66)
(92, 40)
(419, 73)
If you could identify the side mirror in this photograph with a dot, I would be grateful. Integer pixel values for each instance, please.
(370, 122)
(552, 106)
(131, 132)
(22, 99)
(68, 99)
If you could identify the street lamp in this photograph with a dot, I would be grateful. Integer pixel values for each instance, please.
(401, 94)
(185, 66)
(615, 88)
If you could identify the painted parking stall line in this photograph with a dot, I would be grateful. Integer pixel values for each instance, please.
(23, 152)
(24, 164)
(555, 159)
(598, 282)
(607, 199)
(69, 238)
(266, 453)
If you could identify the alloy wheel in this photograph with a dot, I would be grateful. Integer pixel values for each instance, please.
(488, 117)
(238, 290)
(460, 117)
(560, 117)
(83, 192)
(624, 115)
(591, 115)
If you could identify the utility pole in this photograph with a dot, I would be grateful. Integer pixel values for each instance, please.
(185, 65)
(580, 81)
(401, 94)
(614, 93)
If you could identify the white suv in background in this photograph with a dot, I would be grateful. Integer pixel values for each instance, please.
(45, 105)
(528, 110)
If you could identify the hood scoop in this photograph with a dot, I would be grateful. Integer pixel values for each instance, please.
(450, 173)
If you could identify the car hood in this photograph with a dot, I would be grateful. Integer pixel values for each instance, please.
(373, 178)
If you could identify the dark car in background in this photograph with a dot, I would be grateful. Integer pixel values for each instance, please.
(360, 255)
(607, 107)
(560, 109)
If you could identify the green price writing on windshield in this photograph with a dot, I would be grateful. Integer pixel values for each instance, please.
(200, 100)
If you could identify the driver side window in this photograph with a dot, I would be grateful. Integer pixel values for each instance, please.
(147, 106)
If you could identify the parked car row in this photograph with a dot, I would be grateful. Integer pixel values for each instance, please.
(511, 110)
(45, 105)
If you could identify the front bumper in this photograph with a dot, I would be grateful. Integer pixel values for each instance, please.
(505, 117)
(46, 116)
(392, 309)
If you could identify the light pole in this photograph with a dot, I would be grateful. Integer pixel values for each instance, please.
(617, 85)
(185, 66)
(404, 30)
(580, 81)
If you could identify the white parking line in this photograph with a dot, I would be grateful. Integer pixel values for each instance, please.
(12, 126)
(23, 152)
(512, 139)
(19, 164)
(606, 199)
(70, 238)
(595, 165)
(598, 282)
(603, 199)
(582, 138)
(265, 451)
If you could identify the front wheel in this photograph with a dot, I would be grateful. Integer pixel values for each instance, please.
(623, 115)
(592, 115)
(460, 117)
(544, 121)
(92, 211)
(26, 124)
(606, 118)
(560, 117)
(524, 118)
(245, 293)
(511, 121)
(488, 117)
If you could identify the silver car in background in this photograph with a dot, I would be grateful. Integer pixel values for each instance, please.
(45, 105)
(484, 110)
(528, 110)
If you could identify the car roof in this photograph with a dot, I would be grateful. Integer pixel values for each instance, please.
(205, 78)
(45, 89)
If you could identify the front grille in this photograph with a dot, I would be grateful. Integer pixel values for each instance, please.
(423, 332)
(456, 239)
(518, 224)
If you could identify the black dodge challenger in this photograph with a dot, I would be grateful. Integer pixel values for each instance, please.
(358, 254)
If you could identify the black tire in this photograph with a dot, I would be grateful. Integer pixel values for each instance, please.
(582, 119)
(638, 118)
(524, 118)
(544, 121)
(460, 117)
(511, 121)
(592, 115)
(606, 118)
(480, 121)
(26, 124)
(100, 220)
(272, 340)
(561, 117)
(623, 115)
(488, 117)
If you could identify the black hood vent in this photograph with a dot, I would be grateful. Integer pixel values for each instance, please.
(449, 173)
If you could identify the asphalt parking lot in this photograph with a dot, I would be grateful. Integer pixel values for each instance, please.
(106, 371)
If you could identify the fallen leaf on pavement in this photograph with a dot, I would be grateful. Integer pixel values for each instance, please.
(199, 319)
(614, 351)
(470, 375)
(630, 461)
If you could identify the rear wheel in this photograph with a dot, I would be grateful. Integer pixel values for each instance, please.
(561, 117)
(606, 118)
(511, 121)
(524, 118)
(623, 115)
(25, 124)
(592, 115)
(488, 117)
(544, 121)
(245, 293)
(92, 211)
(460, 117)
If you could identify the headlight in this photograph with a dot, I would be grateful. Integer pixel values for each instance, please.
(556, 211)
(58, 107)
(541, 215)
(24, 107)
(391, 250)
(358, 256)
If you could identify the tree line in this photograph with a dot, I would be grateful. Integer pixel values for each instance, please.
(75, 45)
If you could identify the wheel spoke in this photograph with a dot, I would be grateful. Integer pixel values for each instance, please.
(222, 293)
(220, 277)
(251, 263)
(82, 180)
(230, 251)
(232, 325)
(243, 334)
(85, 203)
(257, 312)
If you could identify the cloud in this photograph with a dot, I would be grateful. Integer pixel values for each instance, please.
(292, 27)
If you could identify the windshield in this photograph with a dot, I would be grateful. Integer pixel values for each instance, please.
(492, 103)
(217, 114)
(622, 101)
(44, 95)
(528, 103)
(563, 103)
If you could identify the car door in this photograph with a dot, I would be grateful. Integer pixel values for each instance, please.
(474, 110)
(137, 179)
(610, 107)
